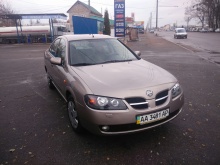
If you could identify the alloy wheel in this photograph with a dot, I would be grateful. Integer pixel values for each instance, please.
(72, 114)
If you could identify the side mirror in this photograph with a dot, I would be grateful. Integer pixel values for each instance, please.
(56, 60)
(137, 53)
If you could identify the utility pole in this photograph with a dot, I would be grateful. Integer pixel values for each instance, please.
(151, 20)
(89, 3)
(157, 15)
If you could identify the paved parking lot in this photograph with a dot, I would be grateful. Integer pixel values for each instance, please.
(34, 125)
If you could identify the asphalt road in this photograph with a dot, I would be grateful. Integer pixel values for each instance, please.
(34, 125)
(208, 42)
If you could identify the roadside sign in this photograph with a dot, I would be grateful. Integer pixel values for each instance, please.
(119, 7)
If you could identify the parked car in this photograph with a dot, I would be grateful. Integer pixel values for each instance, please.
(180, 33)
(210, 30)
(217, 30)
(203, 30)
(108, 88)
(152, 31)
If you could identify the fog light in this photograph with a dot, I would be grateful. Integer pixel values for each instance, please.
(105, 128)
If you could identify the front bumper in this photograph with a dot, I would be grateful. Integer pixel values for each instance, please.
(124, 121)
(132, 128)
(181, 36)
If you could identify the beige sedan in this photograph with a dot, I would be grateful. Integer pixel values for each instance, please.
(108, 88)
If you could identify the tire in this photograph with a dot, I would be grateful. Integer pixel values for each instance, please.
(49, 82)
(73, 117)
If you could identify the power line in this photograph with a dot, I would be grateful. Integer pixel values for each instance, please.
(40, 7)
(168, 6)
(126, 6)
(45, 10)
(36, 3)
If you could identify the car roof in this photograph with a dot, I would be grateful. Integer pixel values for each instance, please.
(85, 36)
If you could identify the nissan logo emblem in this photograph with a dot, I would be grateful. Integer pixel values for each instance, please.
(149, 93)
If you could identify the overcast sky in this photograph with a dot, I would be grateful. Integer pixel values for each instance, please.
(168, 13)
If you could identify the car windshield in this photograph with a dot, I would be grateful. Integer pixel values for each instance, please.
(181, 31)
(98, 51)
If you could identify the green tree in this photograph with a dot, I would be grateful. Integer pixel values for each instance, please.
(106, 29)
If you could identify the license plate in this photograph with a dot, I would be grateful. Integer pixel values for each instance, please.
(144, 119)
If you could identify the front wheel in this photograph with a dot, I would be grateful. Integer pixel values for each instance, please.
(49, 82)
(73, 116)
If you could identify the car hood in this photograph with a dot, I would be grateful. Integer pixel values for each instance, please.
(123, 78)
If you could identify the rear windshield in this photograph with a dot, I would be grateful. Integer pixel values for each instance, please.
(97, 51)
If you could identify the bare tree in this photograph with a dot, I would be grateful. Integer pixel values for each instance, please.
(38, 22)
(196, 11)
(206, 11)
(31, 22)
(57, 20)
(5, 8)
(187, 19)
(213, 12)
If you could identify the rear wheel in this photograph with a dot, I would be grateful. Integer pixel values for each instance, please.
(73, 116)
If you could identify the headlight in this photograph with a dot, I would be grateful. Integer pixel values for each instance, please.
(176, 90)
(104, 103)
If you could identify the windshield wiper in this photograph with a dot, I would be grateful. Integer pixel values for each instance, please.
(83, 64)
(110, 61)
(113, 61)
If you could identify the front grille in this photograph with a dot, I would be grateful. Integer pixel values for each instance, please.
(134, 126)
(137, 102)
(161, 97)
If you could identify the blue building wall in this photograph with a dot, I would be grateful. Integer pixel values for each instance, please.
(82, 25)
